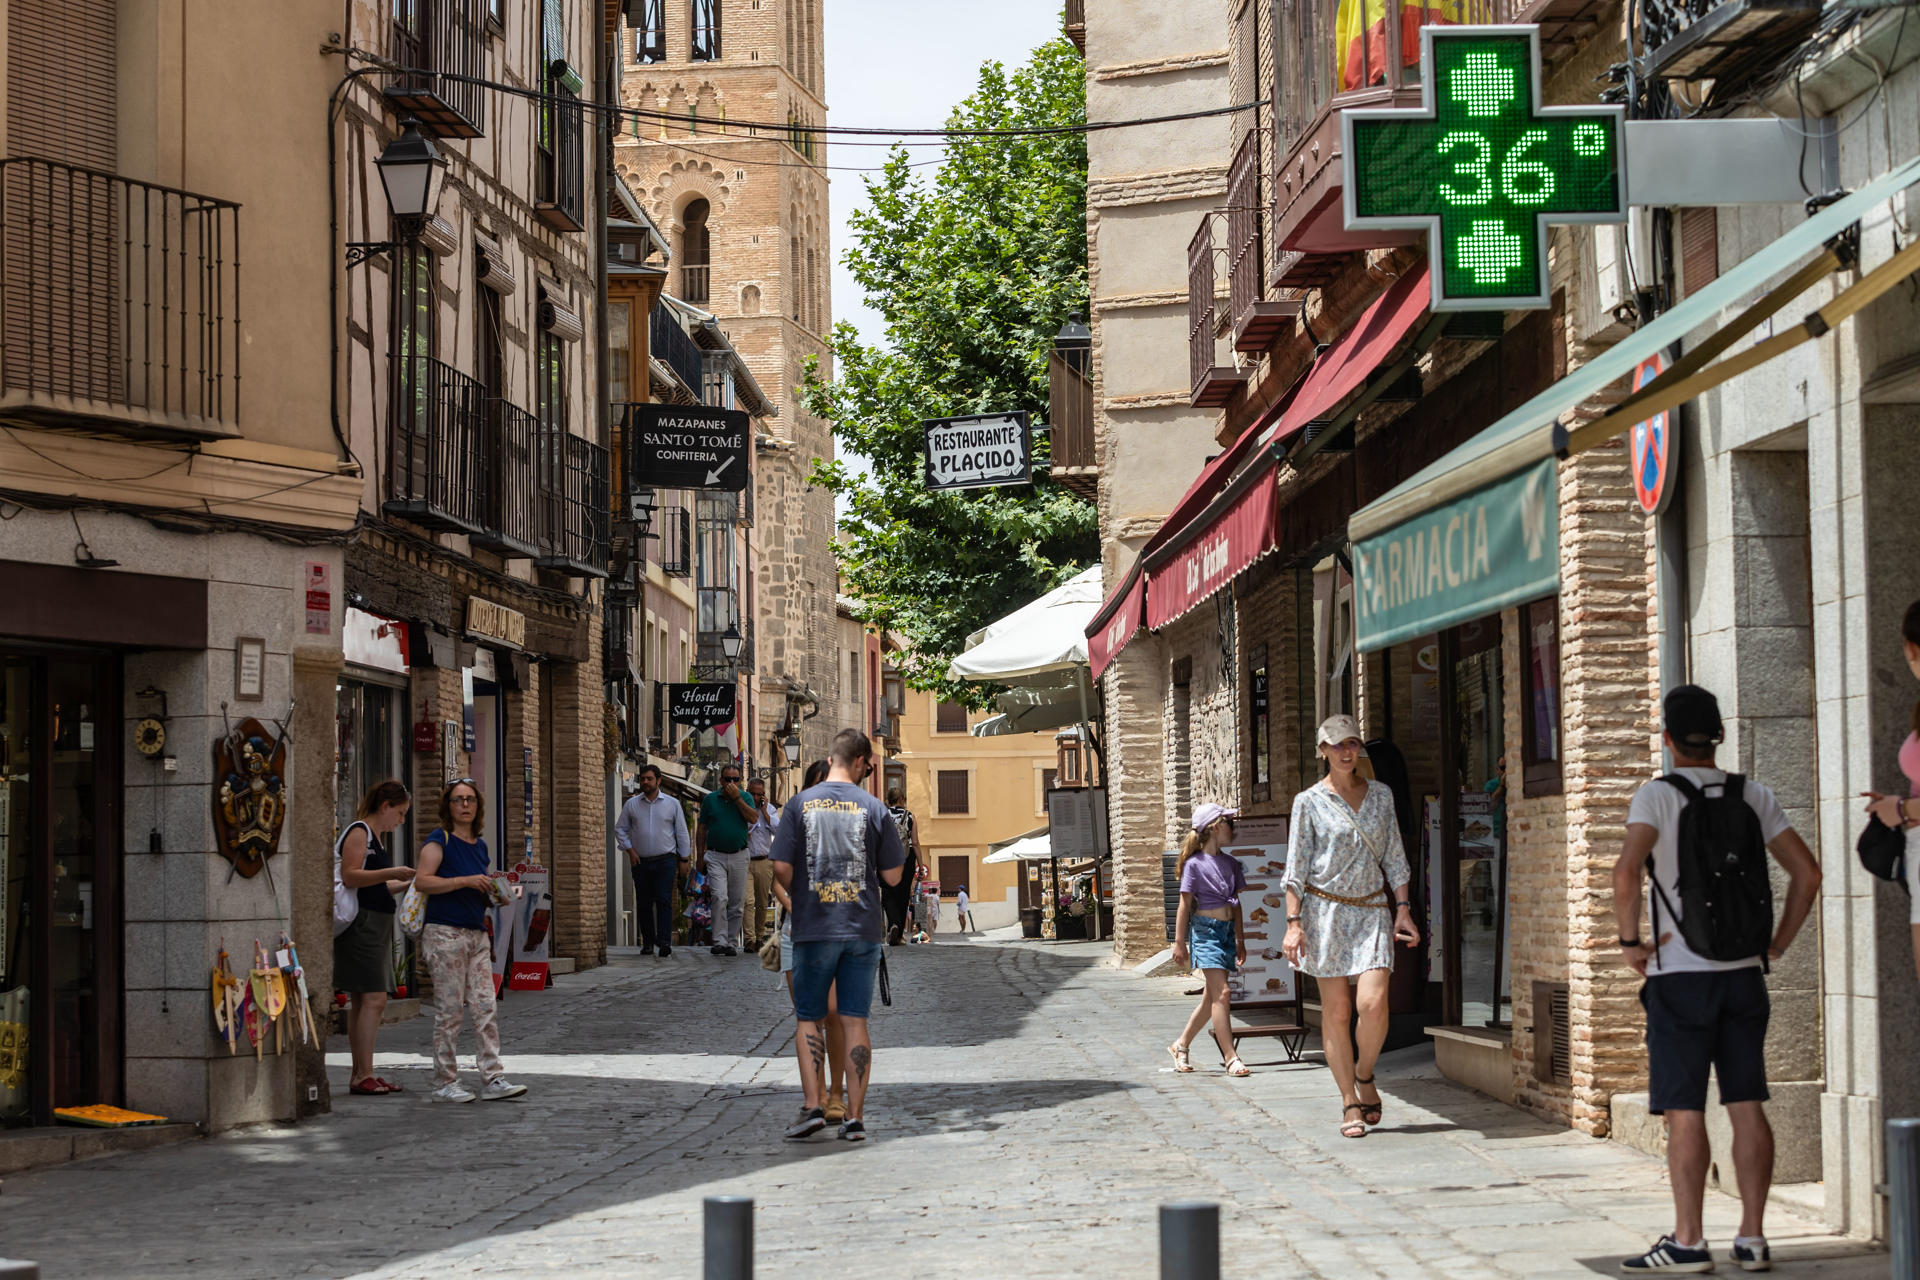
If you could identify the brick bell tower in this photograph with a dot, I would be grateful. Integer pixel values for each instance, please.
(742, 194)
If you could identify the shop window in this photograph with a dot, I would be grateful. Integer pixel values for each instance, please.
(950, 717)
(1259, 723)
(1540, 684)
(951, 792)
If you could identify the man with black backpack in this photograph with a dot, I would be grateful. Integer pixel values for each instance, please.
(1707, 835)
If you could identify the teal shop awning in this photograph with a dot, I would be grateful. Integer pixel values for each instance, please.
(1492, 476)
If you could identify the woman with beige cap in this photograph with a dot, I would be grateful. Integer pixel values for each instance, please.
(1346, 885)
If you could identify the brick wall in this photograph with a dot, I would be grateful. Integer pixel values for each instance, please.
(1134, 687)
(579, 856)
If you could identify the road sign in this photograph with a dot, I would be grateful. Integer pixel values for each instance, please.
(688, 446)
(978, 452)
(1482, 167)
(1652, 445)
(703, 706)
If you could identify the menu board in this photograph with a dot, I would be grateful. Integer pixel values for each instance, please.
(1266, 977)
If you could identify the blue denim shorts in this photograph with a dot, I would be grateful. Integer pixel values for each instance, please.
(1212, 943)
(820, 967)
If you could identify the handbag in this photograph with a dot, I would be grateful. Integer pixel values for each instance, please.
(1883, 851)
(346, 902)
(412, 915)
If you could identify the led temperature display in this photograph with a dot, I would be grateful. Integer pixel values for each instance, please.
(1483, 167)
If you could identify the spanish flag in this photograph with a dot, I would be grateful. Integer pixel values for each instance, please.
(1360, 35)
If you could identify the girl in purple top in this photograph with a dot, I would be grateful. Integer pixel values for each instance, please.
(1208, 930)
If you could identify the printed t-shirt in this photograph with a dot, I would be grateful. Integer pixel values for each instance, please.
(837, 838)
(1659, 805)
(726, 829)
(462, 908)
(1214, 879)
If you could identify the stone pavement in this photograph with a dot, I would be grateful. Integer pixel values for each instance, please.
(1024, 1120)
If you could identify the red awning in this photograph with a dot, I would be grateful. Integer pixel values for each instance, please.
(1117, 621)
(1238, 532)
(1344, 368)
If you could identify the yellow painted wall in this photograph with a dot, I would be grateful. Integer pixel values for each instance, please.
(1005, 791)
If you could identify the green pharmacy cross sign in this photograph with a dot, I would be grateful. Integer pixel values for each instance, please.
(1482, 167)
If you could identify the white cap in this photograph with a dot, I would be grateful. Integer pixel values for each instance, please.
(1335, 730)
(1209, 813)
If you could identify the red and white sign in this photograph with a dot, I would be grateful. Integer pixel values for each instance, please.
(1232, 539)
(319, 588)
(369, 640)
(1117, 622)
(1651, 446)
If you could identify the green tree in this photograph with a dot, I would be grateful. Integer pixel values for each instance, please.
(974, 270)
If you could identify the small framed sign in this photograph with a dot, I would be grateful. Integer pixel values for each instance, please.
(249, 668)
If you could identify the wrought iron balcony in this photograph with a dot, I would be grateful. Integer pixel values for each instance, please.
(559, 152)
(436, 40)
(119, 303)
(512, 436)
(1258, 321)
(673, 346)
(574, 519)
(1213, 383)
(437, 438)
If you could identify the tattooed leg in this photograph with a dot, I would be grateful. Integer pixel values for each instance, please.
(859, 1063)
(810, 1046)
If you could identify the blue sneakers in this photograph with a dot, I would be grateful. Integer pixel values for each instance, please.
(1751, 1253)
(1669, 1257)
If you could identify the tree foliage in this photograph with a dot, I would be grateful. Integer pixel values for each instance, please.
(973, 269)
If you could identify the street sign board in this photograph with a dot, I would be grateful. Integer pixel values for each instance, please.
(1651, 445)
(1482, 167)
(703, 706)
(688, 446)
(978, 452)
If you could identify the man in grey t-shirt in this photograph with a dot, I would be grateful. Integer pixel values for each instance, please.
(834, 847)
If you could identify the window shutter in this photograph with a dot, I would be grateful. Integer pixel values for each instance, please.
(62, 82)
(1699, 248)
(553, 32)
(952, 787)
(951, 718)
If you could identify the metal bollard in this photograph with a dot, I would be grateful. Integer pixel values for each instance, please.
(1903, 1196)
(1189, 1240)
(729, 1238)
(14, 1269)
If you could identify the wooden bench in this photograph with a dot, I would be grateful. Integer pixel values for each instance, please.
(1285, 1022)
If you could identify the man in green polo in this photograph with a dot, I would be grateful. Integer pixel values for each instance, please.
(720, 846)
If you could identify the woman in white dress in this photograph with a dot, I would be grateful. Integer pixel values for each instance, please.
(1346, 885)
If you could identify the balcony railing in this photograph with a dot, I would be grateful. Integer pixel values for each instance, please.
(435, 40)
(1730, 42)
(616, 636)
(512, 436)
(436, 461)
(1213, 382)
(1070, 408)
(672, 345)
(574, 519)
(1075, 25)
(119, 302)
(693, 283)
(1257, 319)
(559, 190)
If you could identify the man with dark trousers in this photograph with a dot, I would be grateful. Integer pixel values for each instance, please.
(652, 832)
(897, 899)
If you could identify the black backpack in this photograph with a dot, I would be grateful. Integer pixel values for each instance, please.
(1726, 891)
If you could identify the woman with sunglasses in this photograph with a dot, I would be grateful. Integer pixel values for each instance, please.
(455, 874)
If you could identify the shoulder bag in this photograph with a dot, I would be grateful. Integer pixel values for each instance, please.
(346, 902)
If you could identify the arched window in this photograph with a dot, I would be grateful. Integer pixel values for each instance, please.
(695, 253)
(706, 30)
(750, 300)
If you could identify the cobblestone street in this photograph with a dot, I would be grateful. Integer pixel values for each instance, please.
(1024, 1122)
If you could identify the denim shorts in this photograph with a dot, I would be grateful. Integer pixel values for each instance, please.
(819, 966)
(1701, 1020)
(1212, 943)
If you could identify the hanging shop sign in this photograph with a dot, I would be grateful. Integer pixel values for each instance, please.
(1482, 167)
(979, 452)
(1077, 822)
(1495, 547)
(1651, 446)
(692, 446)
(702, 706)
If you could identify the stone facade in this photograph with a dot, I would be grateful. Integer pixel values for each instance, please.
(766, 278)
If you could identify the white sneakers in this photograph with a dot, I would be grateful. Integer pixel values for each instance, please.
(492, 1091)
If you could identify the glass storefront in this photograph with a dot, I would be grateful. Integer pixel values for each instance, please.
(370, 723)
(59, 885)
(1479, 877)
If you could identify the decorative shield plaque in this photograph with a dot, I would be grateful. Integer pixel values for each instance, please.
(249, 795)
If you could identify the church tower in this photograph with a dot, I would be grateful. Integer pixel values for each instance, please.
(724, 168)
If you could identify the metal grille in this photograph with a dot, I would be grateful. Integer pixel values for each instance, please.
(1244, 284)
(436, 39)
(122, 296)
(676, 541)
(574, 518)
(671, 345)
(1070, 407)
(1552, 1033)
(558, 156)
(436, 464)
(693, 283)
(951, 786)
(1200, 318)
(950, 717)
(510, 488)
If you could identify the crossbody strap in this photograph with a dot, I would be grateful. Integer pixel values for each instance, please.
(1353, 819)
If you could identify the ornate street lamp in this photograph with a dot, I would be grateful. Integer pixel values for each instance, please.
(790, 747)
(640, 509)
(411, 171)
(730, 642)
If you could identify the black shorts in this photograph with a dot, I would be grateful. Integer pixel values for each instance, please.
(1701, 1020)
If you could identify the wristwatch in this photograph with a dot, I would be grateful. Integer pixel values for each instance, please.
(1629, 942)
(1293, 919)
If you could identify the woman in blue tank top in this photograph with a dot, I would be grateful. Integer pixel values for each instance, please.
(455, 874)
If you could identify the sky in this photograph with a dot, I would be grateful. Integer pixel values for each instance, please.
(907, 63)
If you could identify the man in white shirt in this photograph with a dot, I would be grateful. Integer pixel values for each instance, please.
(760, 865)
(652, 832)
(1706, 1011)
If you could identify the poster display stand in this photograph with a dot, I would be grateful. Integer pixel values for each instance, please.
(1266, 986)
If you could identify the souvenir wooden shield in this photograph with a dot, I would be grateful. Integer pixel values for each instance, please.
(249, 795)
